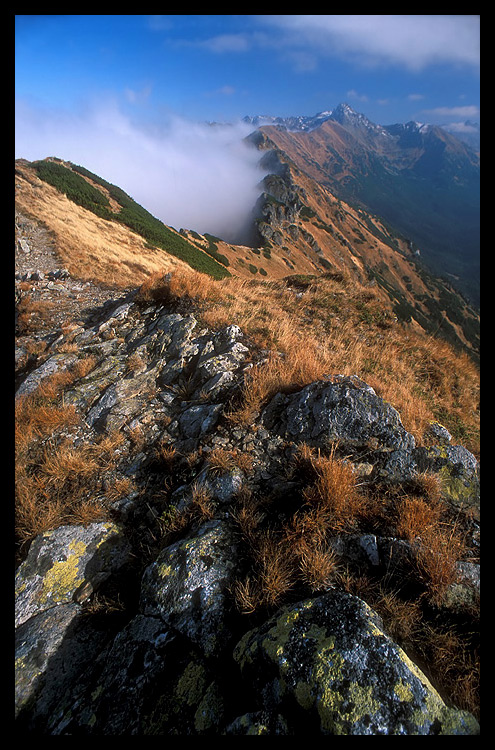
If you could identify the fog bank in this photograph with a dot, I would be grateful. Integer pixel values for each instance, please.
(193, 175)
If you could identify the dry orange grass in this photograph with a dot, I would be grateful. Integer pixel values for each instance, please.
(56, 483)
(33, 314)
(248, 515)
(202, 506)
(402, 618)
(222, 460)
(184, 283)
(415, 517)
(318, 565)
(90, 247)
(438, 543)
(335, 324)
(439, 551)
(335, 493)
(321, 332)
(457, 666)
(274, 567)
(278, 374)
(66, 487)
(36, 415)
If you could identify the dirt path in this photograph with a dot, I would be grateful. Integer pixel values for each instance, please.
(45, 290)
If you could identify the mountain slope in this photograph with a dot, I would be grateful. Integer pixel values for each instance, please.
(301, 228)
(179, 479)
(419, 179)
(299, 216)
(115, 211)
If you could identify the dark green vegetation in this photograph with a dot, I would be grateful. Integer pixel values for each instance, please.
(426, 309)
(432, 319)
(71, 182)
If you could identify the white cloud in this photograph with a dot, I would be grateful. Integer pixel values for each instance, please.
(462, 127)
(467, 112)
(227, 43)
(224, 90)
(411, 41)
(188, 174)
(353, 94)
(136, 97)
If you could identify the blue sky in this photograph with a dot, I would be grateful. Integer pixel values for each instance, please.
(90, 87)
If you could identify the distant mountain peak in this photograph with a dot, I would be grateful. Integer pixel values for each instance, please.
(344, 110)
(343, 114)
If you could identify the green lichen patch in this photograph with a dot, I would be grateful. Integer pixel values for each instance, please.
(334, 660)
(64, 577)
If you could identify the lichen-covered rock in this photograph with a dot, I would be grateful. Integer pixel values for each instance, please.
(122, 685)
(162, 663)
(68, 564)
(148, 681)
(199, 419)
(458, 470)
(330, 657)
(465, 592)
(221, 488)
(347, 410)
(258, 724)
(53, 364)
(187, 586)
(52, 649)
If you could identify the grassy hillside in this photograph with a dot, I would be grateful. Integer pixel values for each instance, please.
(341, 316)
(73, 182)
(316, 325)
(306, 220)
(353, 318)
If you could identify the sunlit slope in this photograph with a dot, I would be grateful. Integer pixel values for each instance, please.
(300, 217)
(101, 233)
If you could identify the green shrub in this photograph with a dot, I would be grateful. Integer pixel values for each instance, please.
(75, 187)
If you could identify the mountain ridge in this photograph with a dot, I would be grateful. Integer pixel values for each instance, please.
(420, 179)
(301, 228)
(467, 132)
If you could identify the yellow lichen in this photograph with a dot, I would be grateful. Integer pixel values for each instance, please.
(336, 710)
(303, 694)
(63, 578)
(191, 685)
(165, 570)
(403, 691)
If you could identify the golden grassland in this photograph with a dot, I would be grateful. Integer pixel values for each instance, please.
(324, 326)
(333, 325)
(89, 247)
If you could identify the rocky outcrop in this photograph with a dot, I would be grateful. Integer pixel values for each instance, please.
(331, 661)
(179, 657)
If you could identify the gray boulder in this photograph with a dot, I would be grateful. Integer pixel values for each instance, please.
(187, 586)
(346, 410)
(458, 470)
(68, 564)
(330, 657)
(52, 650)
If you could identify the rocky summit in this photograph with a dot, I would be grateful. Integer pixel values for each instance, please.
(207, 575)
